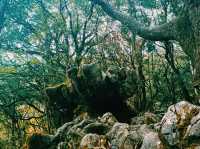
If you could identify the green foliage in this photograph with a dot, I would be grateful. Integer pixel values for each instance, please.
(148, 3)
(151, 46)
(46, 37)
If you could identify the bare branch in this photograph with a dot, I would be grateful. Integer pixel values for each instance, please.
(84, 37)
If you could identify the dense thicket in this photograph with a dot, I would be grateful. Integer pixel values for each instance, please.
(45, 44)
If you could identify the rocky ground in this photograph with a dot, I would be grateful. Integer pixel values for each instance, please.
(179, 128)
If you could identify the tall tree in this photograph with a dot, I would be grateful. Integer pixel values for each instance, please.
(185, 29)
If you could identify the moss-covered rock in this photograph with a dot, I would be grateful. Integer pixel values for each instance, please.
(95, 91)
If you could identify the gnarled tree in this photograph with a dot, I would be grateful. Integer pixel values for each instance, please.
(185, 29)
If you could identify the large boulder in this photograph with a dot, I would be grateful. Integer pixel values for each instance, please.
(192, 135)
(152, 141)
(118, 134)
(90, 141)
(127, 136)
(108, 118)
(180, 126)
(178, 129)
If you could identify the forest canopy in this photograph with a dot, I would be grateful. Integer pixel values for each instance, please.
(61, 59)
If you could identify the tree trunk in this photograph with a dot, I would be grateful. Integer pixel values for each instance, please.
(139, 61)
(170, 59)
(185, 29)
(194, 13)
(189, 38)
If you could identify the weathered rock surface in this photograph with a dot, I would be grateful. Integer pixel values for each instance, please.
(178, 129)
(90, 141)
(104, 132)
(118, 134)
(147, 118)
(152, 141)
(179, 126)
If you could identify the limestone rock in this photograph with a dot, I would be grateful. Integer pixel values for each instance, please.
(179, 128)
(147, 118)
(175, 122)
(89, 141)
(108, 118)
(127, 136)
(118, 134)
(152, 141)
(192, 135)
(150, 118)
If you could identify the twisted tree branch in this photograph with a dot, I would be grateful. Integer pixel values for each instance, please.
(164, 32)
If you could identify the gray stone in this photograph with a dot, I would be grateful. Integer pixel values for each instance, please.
(152, 141)
(175, 122)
